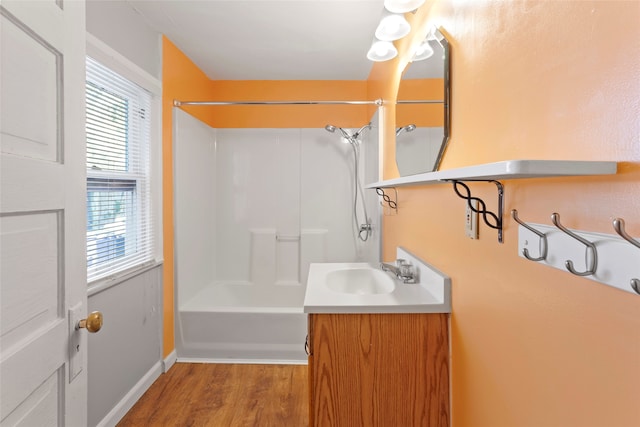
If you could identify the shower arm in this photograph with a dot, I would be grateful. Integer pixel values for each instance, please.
(359, 131)
(346, 135)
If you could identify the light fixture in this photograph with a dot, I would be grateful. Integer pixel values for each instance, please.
(392, 27)
(381, 51)
(402, 6)
(423, 51)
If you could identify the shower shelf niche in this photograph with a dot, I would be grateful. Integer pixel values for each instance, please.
(492, 172)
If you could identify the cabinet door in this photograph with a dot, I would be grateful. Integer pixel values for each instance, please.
(380, 370)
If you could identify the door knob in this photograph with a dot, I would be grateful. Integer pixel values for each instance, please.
(92, 323)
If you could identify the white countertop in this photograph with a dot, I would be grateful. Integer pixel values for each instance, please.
(431, 295)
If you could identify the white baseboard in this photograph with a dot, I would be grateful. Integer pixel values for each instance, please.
(243, 361)
(120, 410)
(169, 361)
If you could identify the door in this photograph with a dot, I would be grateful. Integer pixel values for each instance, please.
(43, 379)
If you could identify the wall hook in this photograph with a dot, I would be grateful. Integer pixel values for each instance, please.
(543, 238)
(555, 218)
(618, 225)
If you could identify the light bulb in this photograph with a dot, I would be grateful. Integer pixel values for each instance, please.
(392, 27)
(402, 6)
(382, 51)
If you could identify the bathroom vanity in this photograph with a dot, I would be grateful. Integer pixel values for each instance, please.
(378, 348)
(378, 369)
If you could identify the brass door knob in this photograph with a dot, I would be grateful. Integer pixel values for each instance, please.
(92, 323)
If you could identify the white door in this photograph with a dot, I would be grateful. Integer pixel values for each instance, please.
(42, 213)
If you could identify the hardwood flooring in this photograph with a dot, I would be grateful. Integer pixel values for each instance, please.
(224, 395)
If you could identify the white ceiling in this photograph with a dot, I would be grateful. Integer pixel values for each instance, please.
(267, 39)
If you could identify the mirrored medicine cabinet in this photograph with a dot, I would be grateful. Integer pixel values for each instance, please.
(423, 110)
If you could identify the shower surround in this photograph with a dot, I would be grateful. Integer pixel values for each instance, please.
(253, 208)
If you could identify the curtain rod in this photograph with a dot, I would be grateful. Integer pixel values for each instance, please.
(177, 103)
(419, 101)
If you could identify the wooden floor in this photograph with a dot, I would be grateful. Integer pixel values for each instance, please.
(223, 395)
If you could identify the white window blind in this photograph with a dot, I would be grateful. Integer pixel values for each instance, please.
(119, 216)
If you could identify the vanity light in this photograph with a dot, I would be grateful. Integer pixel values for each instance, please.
(402, 6)
(392, 27)
(423, 51)
(382, 51)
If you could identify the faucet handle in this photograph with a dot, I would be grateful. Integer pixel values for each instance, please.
(406, 271)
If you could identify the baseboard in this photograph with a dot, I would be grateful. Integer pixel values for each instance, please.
(120, 410)
(243, 361)
(169, 361)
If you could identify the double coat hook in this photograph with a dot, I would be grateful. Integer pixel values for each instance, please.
(555, 218)
(542, 236)
(618, 226)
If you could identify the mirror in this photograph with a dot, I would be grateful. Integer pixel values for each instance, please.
(423, 110)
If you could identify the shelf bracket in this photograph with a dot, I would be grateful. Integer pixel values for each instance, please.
(393, 204)
(491, 219)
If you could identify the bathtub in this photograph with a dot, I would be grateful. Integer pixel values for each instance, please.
(243, 323)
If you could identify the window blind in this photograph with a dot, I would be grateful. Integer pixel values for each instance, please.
(119, 215)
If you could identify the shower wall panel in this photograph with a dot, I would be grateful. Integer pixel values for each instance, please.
(258, 205)
(370, 251)
(328, 189)
(194, 180)
(327, 193)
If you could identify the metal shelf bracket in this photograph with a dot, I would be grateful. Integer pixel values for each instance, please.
(491, 219)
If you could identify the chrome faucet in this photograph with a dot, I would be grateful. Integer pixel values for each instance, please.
(403, 270)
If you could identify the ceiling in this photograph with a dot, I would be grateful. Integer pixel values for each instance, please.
(267, 39)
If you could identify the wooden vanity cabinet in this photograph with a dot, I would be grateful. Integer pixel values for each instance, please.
(378, 370)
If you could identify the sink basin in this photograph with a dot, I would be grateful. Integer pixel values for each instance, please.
(360, 281)
(362, 287)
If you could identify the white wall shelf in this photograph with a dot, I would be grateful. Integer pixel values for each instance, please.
(509, 169)
(493, 172)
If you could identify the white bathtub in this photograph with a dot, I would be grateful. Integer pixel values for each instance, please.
(243, 323)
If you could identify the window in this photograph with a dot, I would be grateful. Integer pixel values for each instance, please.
(119, 221)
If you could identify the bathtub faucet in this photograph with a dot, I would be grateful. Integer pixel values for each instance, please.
(403, 270)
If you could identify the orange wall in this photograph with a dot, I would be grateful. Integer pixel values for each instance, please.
(288, 116)
(531, 345)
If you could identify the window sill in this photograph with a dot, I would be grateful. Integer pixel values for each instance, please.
(108, 282)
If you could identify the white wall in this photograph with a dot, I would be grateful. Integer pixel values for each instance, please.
(125, 356)
(117, 24)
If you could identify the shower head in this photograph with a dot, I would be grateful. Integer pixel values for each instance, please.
(407, 128)
(348, 138)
